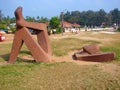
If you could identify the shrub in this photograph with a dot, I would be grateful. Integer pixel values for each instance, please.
(58, 30)
(118, 29)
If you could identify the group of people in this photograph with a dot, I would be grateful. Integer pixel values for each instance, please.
(52, 31)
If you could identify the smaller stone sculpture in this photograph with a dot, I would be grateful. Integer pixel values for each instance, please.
(92, 53)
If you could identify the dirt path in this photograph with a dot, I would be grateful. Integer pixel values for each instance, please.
(68, 58)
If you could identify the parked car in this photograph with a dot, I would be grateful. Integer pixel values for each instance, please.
(2, 38)
(6, 31)
(33, 31)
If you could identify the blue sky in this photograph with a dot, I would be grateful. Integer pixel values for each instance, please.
(49, 8)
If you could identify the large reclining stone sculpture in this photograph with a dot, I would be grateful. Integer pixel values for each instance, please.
(92, 53)
(40, 50)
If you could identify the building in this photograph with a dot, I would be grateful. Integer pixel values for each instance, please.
(69, 27)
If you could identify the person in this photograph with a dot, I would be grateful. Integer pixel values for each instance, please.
(51, 32)
(85, 27)
(54, 31)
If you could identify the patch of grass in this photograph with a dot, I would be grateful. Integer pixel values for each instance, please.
(115, 50)
(61, 47)
(12, 76)
(56, 76)
(5, 48)
(63, 75)
(5, 51)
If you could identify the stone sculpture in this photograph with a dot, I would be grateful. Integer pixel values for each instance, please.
(92, 53)
(40, 50)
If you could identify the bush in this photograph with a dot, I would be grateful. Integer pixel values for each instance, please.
(118, 29)
(58, 30)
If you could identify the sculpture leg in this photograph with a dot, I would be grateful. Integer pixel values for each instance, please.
(37, 51)
(17, 44)
(43, 41)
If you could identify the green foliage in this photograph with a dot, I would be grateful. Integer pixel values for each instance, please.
(116, 50)
(12, 28)
(54, 22)
(1, 15)
(37, 19)
(30, 19)
(58, 30)
(118, 29)
(42, 19)
(93, 18)
(3, 26)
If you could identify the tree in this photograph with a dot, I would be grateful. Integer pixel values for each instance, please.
(43, 20)
(67, 16)
(38, 18)
(109, 18)
(30, 19)
(1, 15)
(54, 22)
(101, 16)
(115, 15)
(93, 17)
(12, 20)
(6, 20)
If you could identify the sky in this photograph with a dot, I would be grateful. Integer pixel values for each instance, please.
(50, 8)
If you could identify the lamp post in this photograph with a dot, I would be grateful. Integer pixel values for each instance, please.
(62, 20)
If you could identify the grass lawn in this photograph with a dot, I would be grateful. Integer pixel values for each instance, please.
(63, 75)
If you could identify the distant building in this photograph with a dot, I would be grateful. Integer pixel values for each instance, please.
(69, 27)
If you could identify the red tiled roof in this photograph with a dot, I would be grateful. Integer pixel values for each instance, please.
(67, 24)
(75, 25)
